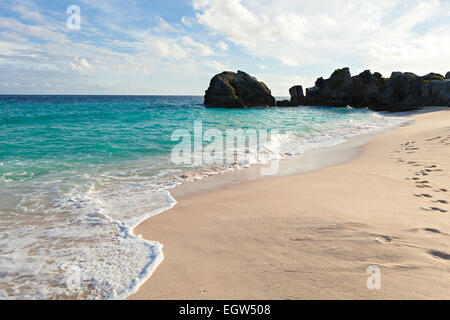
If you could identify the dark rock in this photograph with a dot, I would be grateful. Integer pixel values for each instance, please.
(333, 91)
(319, 82)
(403, 89)
(400, 92)
(447, 75)
(286, 103)
(392, 108)
(297, 95)
(365, 89)
(436, 93)
(237, 90)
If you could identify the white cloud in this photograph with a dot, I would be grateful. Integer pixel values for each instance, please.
(383, 35)
(197, 47)
(12, 37)
(12, 48)
(187, 21)
(163, 25)
(26, 10)
(28, 13)
(80, 64)
(42, 32)
(167, 49)
(247, 27)
(222, 45)
(288, 61)
(215, 65)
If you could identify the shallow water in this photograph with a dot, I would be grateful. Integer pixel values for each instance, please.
(77, 173)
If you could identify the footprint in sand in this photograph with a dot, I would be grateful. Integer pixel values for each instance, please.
(440, 254)
(432, 230)
(434, 209)
(438, 209)
(425, 195)
(441, 201)
(433, 139)
(422, 186)
(382, 238)
(429, 230)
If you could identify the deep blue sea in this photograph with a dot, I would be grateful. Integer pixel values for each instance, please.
(78, 173)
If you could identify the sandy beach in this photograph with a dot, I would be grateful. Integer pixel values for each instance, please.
(313, 235)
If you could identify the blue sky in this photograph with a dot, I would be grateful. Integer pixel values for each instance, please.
(176, 46)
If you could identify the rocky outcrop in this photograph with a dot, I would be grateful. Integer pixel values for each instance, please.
(341, 89)
(237, 90)
(296, 93)
(436, 93)
(297, 97)
(400, 92)
(285, 103)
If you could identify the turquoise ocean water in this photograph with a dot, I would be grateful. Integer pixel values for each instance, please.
(78, 173)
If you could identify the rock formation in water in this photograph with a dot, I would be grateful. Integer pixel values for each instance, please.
(237, 90)
(400, 92)
(297, 97)
(296, 93)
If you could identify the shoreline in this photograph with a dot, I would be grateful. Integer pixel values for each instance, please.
(309, 161)
(192, 196)
(296, 164)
